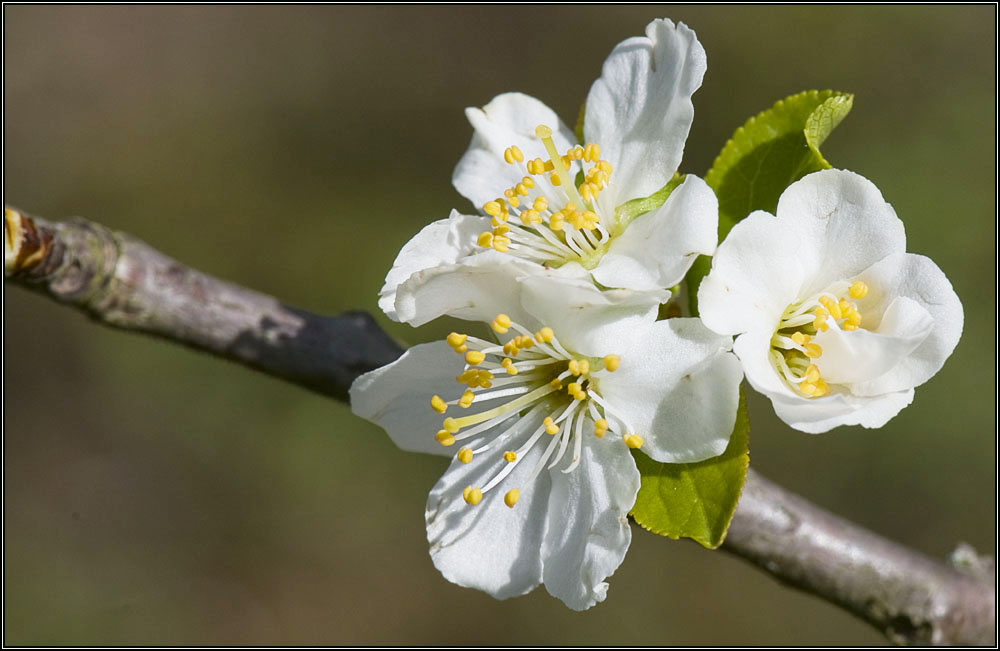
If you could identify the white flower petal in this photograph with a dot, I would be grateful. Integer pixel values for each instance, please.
(476, 288)
(397, 397)
(587, 533)
(755, 275)
(851, 357)
(678, 386)
(640, 110)
(815, 415)
(445, 241)
(753, 349)
(658, 248)
(843, 223)
(489, 546)
(585, 318)
(509, 119)
(916, 278)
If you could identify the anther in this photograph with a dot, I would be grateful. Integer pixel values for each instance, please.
(466, 400)
(492, 208)
(474, 357)
(472, 496)
(545, 335)
(510, 456)
(813, 350)
(501, 324)
(439, 405)
(444, 438)
(634, 441)
(600, 428)
(465, 455)
(550, 426)
(611, 362)
(450, 425)
(510, 499)
(858, 289)
(485, 239)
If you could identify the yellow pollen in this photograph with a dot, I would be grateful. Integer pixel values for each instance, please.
(439, 405)
(800, 338)
(510, 499)
(485, 239)
(501, 324)
(832, 306)
(611, 362)
(474, 357)
(444, 438)
(455, 340)
(555, 179)
(465, 455)
(527, 182)
(492, 208)
(600, 428)
(510, 348)
(858, 289)
(556, 384)
(574, 367)
(472, 496)
(510, 456)
(543, 131)
(508, 366)
(807, 388)
(540, 204)
(634, 441)
(820, 321)
(812, 374)
(821, 388)
(450, 425)
(550, 427)
(466, 400)
(584, 367)
(545, 335)
(813, 350)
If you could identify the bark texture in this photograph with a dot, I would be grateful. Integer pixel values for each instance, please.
(123, 282)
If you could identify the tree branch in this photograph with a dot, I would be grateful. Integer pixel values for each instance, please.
(122, 282)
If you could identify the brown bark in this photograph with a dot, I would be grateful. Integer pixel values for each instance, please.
(122, 282)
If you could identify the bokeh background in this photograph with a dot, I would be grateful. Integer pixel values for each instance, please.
(153, 495)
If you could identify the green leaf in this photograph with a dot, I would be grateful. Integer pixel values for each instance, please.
(772, 150)
(629, 210)
(695, 500)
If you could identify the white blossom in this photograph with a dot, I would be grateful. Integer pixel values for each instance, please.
(544, 420)
(552, 206)
(837, 323)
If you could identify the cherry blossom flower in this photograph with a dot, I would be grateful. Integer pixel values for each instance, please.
(544, 420)
(837, 323)
(552, 206)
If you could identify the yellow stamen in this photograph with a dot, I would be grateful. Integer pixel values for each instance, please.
(492, 208)
(858, 289)
(465, 455)
(466, 400)
(485, 239)
(561, 168)
(545, 335)
(501, 324)
(455, 424)
(832, 306)
(472, 496)
(439, 405)
(813, 350)
(800, 338)
(600, 428)
(474, 357)
(510, 456)
(812, 374)
(550, 426)
(611, 362)
(634, 441)
(510, 499)
(584, 367)
(574, 367)
(444, 438)
(455, 340)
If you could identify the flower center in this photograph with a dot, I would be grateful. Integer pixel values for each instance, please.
(794, 353)
(546, 217)
(552, 390)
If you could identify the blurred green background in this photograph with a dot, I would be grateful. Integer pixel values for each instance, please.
(153, 495)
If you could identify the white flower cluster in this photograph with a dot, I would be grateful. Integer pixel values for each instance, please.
(836, 323)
